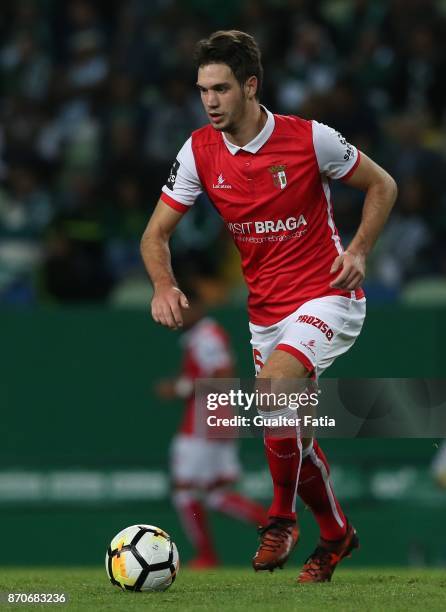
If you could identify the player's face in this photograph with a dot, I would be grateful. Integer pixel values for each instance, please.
(223, 98)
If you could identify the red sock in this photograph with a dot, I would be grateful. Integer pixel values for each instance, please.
(193, 518)
(284, 457)
(316, 491)
(238, 506)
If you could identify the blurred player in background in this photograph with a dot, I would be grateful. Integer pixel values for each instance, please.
(439, 465)
(203, 470)
(269, 178)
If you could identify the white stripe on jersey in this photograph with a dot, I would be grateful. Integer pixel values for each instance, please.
(330, 219)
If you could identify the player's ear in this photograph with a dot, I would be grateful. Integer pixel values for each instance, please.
(251, 87)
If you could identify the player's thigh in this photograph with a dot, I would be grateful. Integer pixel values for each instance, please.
(323, 329)
(281, 364)
(268, 361)
(352, 313)
(189, 461)
(272, 358)
(263, 341)
(224, 463)
(200, 462)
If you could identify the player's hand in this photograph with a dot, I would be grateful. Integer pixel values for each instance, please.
(351, 270)
(167, 303)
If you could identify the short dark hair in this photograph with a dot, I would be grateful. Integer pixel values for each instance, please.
(237, 50)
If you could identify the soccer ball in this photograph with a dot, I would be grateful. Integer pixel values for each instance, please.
(142, 558)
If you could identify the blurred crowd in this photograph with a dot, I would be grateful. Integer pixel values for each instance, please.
(97, 97)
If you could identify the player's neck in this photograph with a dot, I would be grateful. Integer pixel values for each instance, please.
(248, 129)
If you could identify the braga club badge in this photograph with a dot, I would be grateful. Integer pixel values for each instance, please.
(279, 176)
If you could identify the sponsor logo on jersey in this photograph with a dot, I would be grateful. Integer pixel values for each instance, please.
(318, 323)
(310, 345)
(173, 175)
(221, 183)
(266, 227)
(279, 176)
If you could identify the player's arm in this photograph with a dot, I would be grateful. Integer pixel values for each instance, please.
(224, 372)
(182, 387)
(380, 195)
(178, 195)
(174, 388)
(168, 299)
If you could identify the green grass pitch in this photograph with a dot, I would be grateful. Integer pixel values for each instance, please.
(236, 589)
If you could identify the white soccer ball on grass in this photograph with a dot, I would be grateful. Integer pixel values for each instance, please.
(142, 558)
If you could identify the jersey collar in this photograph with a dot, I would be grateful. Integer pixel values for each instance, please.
(256, 143)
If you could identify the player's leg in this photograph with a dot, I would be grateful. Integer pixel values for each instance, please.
(439, 466)
(193, 517)
(338, 537)
(221, 495)
(316, 491)
(187, 464)
(339, 321)
(228, 501)
(283, 452)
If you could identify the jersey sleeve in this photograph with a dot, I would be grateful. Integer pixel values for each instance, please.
(336, 157)
(183, 186)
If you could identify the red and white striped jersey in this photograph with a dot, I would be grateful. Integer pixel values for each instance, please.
(274, 197)
(206, 350)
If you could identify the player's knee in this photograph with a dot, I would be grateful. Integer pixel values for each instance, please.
(214, 498)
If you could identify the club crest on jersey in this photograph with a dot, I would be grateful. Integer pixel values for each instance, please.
(279, 176)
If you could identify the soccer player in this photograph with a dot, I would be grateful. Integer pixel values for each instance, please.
(438, 466)
(269, 178)
(203, 469)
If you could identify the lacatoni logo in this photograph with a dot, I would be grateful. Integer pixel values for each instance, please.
(318, 323)
(266, 227)
(221, 183)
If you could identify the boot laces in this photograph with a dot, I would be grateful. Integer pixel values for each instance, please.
(321, 559)
(273, 536)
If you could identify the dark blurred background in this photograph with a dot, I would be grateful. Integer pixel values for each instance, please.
(97, 98)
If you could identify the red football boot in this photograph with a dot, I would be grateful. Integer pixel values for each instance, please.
(277, 541)
(320, 565)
